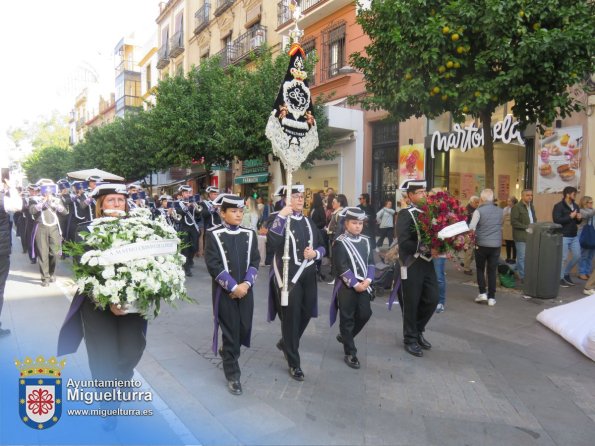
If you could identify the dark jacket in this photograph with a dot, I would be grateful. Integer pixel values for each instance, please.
(519, 220)
(561, 215)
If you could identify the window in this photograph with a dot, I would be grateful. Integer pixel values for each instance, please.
(309, 47)
(334, 50)
(148, 77)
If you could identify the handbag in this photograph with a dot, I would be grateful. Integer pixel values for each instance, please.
(587, 238)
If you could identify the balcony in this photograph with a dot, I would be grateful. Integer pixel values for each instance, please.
(246, 44)
(201, 18)
(126, 103)
(249, 42)
(127, 65)
(222, 6)
(227, 55)
(313, 11)
(80, 122)
(163, 56)
(283, 12)
(176, 44)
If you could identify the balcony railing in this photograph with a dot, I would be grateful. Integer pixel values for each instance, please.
(128, 102)
(222, 6)
(243, 46)
(176, 44)
(163, 56)
(127, 65)
(250, 41)
(201, 18)
(284, 14)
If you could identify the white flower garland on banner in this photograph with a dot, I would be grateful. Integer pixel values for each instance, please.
(134, 262)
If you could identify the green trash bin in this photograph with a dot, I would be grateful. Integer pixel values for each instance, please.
(543, 260)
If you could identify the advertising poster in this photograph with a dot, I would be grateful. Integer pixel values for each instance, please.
(454, 182)
(559, 163)
(503, 187)
(412, 162)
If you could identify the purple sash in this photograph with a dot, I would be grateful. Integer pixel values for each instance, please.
(393, 294)
(334, 303)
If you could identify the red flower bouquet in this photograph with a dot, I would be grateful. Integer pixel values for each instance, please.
(441, 210)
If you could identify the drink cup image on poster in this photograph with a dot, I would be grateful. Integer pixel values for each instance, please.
(559, 162)
(412, 162)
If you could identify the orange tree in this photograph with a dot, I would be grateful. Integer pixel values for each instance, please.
(427, 57)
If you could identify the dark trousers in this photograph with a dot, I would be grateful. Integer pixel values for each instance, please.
(296, 315)
(235, 321)
(487, 257)
(418, 298)
(354, 312)
(115, 344)
(47, 248)
(510, 250)
(29, 231)
(385, 233)
(190, 238)
(4, 268)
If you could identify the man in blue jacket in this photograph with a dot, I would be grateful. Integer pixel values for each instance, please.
(567, 214)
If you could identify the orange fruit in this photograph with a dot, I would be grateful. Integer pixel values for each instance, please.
(454, 37)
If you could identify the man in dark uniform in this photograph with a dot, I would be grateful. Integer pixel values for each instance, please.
(30, 225)
(64, 219)
(418, 295)
(10, 201)
(353, 259)
(188, 225)
(86, 201)
(305, 247)
(210, 215)
(47, 237)
(232, 258)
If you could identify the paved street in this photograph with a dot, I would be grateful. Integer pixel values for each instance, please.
(494, 376)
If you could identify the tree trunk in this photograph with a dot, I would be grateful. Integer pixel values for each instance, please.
(488, 148)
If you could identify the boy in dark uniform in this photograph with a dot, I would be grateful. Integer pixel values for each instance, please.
(353, 259)
(232, 258)
(210, 215)
(188, 225)
(305, 247)
(418, 295)
(86, 202)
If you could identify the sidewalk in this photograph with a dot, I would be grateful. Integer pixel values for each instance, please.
(494, 376)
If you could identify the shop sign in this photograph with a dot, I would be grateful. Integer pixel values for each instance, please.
(472, 137)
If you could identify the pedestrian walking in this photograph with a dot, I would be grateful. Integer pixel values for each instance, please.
(487, 224)
(567, 214)
(507, 231)
(587, 253)
(418, 295)
(386, 219)
(305, 247)
(353, 259)
(522, 215)
(370, 221)
(232, 259)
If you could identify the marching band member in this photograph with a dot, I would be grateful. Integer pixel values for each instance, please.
(232, 258)
(353, 260)
(188, 226)
(136, 196)
(86, 201)
(418, 294)
(64, 219)
(305, 248)
(166, 209)
(31, 224)
(47, 236)
(210, 216)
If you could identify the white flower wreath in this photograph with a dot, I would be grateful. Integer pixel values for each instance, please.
(134, 262)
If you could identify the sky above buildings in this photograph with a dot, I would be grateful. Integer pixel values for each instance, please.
(50, 48)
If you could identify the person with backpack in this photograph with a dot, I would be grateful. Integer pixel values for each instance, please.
(586, 238)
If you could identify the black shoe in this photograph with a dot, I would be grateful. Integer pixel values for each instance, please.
(4, 332)
(351, 361)
(423, 343)
(188, 273)
(45, 283)
(564, 284)
(569, 281)
(296, 373)
(281, 347)
(234, 386)
(52, 279)
(414, 349)
(33, 262)
(340, 338)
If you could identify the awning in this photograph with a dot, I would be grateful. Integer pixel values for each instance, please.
(248, 178)
(84, 174)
